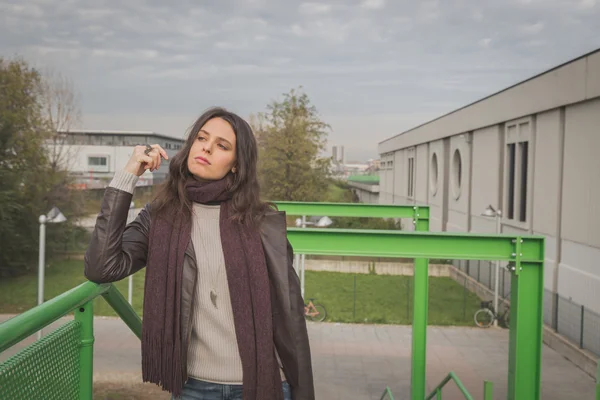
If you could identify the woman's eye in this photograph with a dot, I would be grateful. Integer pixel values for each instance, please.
(200, 138)
(223, 147)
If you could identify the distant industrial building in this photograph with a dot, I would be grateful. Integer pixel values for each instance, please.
(94, 156)
(531, 151)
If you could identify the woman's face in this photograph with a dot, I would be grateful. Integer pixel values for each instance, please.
(213, 155)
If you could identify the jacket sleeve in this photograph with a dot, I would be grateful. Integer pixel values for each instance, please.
(117, 250)
(305, 389)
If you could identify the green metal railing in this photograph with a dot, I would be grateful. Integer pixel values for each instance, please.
(598, 381)
(60, 364)
(387, 394)
(437, 392)
(420, 220)
(525, 253)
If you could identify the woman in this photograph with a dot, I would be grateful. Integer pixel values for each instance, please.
(223, 315)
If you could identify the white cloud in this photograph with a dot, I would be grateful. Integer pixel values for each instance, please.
(139, 63)
(373, 4)
(485, 42)
(314, 8)
(533, 29)
(585, 4)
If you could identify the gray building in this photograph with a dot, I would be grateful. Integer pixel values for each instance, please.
(531, 150)
(95, 155)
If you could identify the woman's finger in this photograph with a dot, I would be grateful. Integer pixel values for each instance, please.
(162, 151)
(157, 159)
(146, 160)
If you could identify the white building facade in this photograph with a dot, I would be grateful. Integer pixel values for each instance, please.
(95, 156)
(531, 150)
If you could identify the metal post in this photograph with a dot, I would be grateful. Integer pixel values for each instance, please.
(302, 258)
(526, 329)
(488, 390)
(598, 382)
(41, 264)
(420, 311)
(85, 315)
(497, 267)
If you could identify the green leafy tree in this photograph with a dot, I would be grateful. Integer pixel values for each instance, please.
(291, 137)
(30, 185)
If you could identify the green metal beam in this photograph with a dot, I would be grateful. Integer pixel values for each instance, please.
(526, 330)
(450, 377)
(124, 310)
(379, 243)
(85, 315)
(352, 210)
(420, 315)
(23, 325)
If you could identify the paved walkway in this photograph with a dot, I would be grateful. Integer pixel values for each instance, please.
(359, 361)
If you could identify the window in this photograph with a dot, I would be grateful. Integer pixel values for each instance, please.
(434, 177)
(511, 180)
(456, 174)
(517, 171)
(97, 161)
(411, 177)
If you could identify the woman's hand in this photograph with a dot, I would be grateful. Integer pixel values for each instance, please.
(144, 158)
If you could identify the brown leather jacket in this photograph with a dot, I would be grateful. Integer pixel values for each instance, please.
(117, 251)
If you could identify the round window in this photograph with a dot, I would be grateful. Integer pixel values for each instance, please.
(433, 179)
(456, 173)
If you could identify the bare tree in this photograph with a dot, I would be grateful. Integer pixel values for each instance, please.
(60, 108)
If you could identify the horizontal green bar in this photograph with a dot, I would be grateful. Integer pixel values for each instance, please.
(441, 245)
(23, 325)
(459, 384)
(352, 210)
(124, 310)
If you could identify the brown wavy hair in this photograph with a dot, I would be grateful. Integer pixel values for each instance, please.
(244, 188)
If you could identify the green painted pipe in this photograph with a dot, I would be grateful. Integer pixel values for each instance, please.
(450, 377)
(85, 315)
(124, 310)
(23, 325)
(352, 209)
(488, 390)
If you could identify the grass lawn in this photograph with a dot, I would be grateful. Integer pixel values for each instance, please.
(20, 294)
(388, 299)
(379, 298)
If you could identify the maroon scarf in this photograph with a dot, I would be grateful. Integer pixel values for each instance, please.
(248, 280)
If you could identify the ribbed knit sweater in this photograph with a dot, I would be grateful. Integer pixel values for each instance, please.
(213, 353)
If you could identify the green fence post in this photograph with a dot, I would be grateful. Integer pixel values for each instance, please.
(598, 381)
(526, 326)
(488, 390)
(85, 315)
(420, 303)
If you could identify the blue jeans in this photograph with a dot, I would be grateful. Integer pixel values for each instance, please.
(200, 390)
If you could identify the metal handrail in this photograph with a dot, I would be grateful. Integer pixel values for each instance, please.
(23, 325)
(387, 392)
(487, 389)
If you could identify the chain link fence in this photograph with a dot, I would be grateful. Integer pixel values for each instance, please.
(574, 321)
(376, 298)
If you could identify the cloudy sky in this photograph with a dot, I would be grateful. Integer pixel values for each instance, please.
(373, 68)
